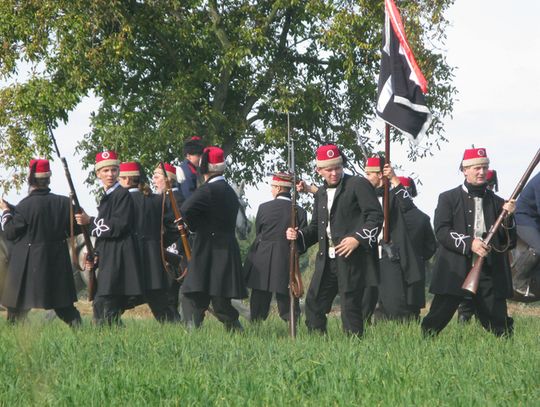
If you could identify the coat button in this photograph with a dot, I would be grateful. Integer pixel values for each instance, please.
(320, 253)
(322, 237)
(468, 225)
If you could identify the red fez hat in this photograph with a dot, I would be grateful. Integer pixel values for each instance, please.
(281, 179)
(40, 167)
(216, 159)
(373, 164)
(328, 156)
(170, 170)
(405, 181)
(474, 156)
(106, 159)
(130, 169)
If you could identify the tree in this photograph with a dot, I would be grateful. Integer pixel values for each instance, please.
(165, 70)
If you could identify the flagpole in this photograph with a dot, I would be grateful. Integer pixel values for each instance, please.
(386, 199)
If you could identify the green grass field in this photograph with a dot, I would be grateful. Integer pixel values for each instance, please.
(46, 363)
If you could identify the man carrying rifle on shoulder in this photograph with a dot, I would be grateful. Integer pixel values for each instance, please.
(346, 222)
(215, 270)
(174, 254)
(39, 272)
(267, 263)
(120, 280)
(462, 218)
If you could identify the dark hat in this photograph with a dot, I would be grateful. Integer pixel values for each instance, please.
(193, 146)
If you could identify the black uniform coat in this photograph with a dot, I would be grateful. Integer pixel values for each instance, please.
(406, 277)
(356, 213)
(423, 241)
(454, 229)
(148, 232)
(39, 272)
(216, 266)
(400, 204)
(267, 263)
(114, 228)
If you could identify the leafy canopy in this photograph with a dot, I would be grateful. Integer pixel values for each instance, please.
(165, 70)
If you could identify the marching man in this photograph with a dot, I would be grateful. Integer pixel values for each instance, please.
(462, 218)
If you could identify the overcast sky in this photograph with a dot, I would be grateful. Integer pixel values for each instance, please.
(496, 49)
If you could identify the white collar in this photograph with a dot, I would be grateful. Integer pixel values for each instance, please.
(111, 189)
(133, 189)
(218, 178)
(285, 198)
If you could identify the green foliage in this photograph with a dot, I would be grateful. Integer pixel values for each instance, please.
(144, 363)
(167, 70)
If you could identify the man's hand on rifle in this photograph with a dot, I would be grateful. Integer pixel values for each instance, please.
(510, 206)
(82, 218)
(89, 264)
(292, 234)
(480, 248)
(347, 246)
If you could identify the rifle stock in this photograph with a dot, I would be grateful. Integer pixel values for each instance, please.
(471, 281)
(296, 287)
(91, 254)
(177, 216)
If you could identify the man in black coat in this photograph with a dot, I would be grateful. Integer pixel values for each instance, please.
(215, 270)
(401, 291)
(466, 308)
(119, 281)
(39, 272)
(267, 262)
(148, 228)
(462, 218)
(346, 222)
(174, 252)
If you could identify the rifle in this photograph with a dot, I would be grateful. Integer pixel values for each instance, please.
(177, 216)
(471, 281)
(296, 288)
(91, 254)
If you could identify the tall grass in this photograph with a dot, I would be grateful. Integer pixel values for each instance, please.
(145, 363)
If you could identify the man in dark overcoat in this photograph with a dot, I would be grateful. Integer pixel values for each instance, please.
(462, 218)
(148, 228)
(120, 280)
(267, 262)
(346, 222)
(215, 270)
(174, 253)
(400, 294)
(466, 308)
(39, 272)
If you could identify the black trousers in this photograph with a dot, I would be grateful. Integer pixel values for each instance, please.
(491, 311)
(369, 302)
(70, 315)
(259, 305)
(319, 304)
(158, 301)
(108, 309)
(466, 309)
(194, 306)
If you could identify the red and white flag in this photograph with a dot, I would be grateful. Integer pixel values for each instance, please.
(401, 102)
